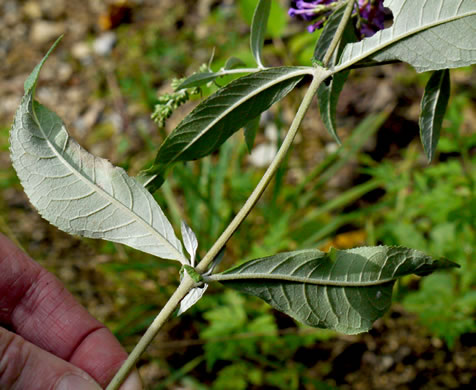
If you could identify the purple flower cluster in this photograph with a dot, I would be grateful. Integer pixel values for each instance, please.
(372, 14)
(369, 14)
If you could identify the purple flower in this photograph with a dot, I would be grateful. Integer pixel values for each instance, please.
(369, 15)
(315, 26)
(309, 10)
(372, 13)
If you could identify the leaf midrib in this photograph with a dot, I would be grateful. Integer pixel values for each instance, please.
(96, 188)
(295, 279)
(302, 71)
(399, 38)
(433, 105)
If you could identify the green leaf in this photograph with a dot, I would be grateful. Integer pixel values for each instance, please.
(427, 34)
(328, 96)
(344, 290)
(433, 107)
(215, 119)
(190, 242)
(328, 92)
(198, 79)
(196, 293)
(193, 296)
(251, 128)
(30, 82)
(80, 193)
(258, 29)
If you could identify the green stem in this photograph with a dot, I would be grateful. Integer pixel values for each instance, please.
(319, 75)
(338, 35)
(185, 286)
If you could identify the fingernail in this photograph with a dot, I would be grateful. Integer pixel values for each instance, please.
(133, 382)
(76, 382)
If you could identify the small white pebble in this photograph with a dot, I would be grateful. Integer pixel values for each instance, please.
(104, 43)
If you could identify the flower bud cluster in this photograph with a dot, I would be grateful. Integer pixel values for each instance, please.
(169, 102)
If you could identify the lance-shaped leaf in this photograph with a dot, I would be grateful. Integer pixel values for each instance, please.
(190, 241)
(80, 193)
(328, 97)
(214, 120)
(258, 29)
(329, 91)
(196, 293)
(428, 34)
(193, 296)
(344, 290)
(433, 107)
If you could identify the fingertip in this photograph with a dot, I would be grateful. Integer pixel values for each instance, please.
(133, 382)
(76, 382)
(25, 366)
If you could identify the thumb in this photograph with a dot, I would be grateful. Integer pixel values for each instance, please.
(25, 366)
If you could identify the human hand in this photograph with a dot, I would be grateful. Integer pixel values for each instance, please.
(52, 341)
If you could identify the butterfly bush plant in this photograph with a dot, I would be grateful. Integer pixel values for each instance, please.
(344, 290)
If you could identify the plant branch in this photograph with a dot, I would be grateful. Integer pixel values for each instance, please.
(338, 35)
(319, 75)
(185, 286)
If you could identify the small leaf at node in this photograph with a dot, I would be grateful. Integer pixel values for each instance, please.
(193, 296)
(190, 242)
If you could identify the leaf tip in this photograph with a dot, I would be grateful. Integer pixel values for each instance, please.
(30, 82)
(443, 263)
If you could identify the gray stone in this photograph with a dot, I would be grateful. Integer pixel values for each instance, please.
(104, 43)
(43, 31)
